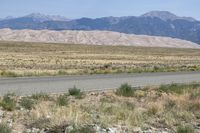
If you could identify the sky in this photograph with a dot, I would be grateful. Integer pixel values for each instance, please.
(98, 8)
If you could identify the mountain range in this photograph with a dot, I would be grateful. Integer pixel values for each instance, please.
(154, 23)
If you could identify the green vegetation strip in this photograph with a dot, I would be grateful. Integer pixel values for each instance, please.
(174, 106)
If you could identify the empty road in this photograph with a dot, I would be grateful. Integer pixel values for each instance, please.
(30, 85)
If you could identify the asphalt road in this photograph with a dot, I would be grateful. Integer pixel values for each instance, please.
(28, 86)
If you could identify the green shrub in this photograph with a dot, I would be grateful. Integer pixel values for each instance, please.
(62, 100)
(152, 110)
(62, 72)
(195, 95)
(41, 97)
(129, 105)
(9, 103)
(125, 90)
(8, 74)
(27, 103)
(178, 88)
(4, 128)
(171, 88)
(75, 92)
(194, 107)
(185, 130)
(85, 129)
(156, 69)
(170, 104)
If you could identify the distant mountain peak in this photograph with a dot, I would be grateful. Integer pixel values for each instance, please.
(36, 15)
(42, 17)
(166, 15)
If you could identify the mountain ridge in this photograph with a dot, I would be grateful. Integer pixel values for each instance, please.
(168, 25)
(166, 15)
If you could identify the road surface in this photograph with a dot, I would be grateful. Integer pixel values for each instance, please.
(60, 84)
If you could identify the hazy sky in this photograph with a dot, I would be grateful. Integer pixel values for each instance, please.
(98, 8)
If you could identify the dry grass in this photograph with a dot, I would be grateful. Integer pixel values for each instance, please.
(146, 109)
(33, 59)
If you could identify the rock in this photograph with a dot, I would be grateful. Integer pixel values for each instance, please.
(48, 116)
(112, 130)
(10, 123)
(98, 128)
(92, 93)
(69, 129)
(137, 130)
(28, 130)
(104, 130)
(103, 93)
(1, 113)
(148, 131)
(164, 132)
(35, 130)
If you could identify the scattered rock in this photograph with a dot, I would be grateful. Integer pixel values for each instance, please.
(112, 130)
(137, 130)
(35, 130)
(1, 113)
(69, 129)
(10, 123)
(28, 130)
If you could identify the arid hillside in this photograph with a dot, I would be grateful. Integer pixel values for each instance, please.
(93, 38)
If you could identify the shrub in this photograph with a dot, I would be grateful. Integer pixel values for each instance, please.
(8, 74)
(62, 100)
(155, 68)
(170, 104)
(9, 103)
(40, 123)
(185, 130)
(85, 129)
(194, 106)
(129, 105)
(195, 95)
(178, 88)
(125, 90)
(75, 92)
(106, 66)
(27, 103)
(171, 88)
(140, 93)
(4, 128)
(152, 110)
(41, 96)
(62, 72)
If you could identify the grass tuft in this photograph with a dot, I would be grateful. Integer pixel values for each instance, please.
(27, 103)
(62, 100)
(41, 97)
(8, 74)
(85, 129)
(182, 129)
(178, 88)
(9, 102)
(125, 90)
(4, 128)
(75, 92)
